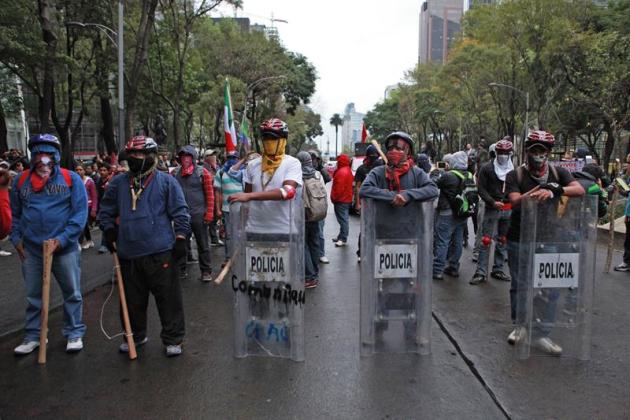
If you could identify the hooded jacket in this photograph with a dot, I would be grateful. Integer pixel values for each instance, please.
(450, 184)
(59, 211)
(342, 181)
(198, 188)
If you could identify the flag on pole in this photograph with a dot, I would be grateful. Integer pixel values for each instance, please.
(228, 120)
(244, 133)
(364, 133)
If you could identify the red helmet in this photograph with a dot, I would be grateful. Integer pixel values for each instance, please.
(141, 144)
(503, 146)
(274, 127)
(540, 137)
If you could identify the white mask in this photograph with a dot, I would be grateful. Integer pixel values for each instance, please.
(502, 160)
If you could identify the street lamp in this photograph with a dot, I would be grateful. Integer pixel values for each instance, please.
(110, 33)
(519, 156)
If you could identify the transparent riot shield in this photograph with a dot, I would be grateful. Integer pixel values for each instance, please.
(268, 279)
(396, 270)
(554, 297)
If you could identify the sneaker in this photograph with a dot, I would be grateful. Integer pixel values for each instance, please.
(87, 245)
(173, 350)
(74, 345)
(545, 344)
(102, 249)
(26, 347)
(190, 259)
(475, 258)
(206, 276)
(500, 275)
(450, 271)
(124, 347)
(324, 260)
(4, 253)
(311, 284)
(340, 243)
(219, 242)
(517, 335)
(438, 276)
(335, 239)
(621, 267)
(477, 279)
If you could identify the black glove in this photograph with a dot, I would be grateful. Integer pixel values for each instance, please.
(110, 237)
(554, 187)
(179, 249)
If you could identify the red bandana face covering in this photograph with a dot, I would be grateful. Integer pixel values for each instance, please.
(398, 164)
(187, 165)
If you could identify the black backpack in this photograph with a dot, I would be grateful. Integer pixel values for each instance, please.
(465, 203)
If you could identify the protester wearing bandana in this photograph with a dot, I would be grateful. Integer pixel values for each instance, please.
(49, 203)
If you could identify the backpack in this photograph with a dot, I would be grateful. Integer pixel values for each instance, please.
(315, 199)
(465, 203)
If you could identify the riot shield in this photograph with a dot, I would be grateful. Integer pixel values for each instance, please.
(556, 276)
(396, 270)
(268, 280)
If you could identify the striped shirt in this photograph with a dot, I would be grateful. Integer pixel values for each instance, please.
(228, 186)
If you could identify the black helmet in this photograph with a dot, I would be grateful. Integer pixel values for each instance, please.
(400, 135)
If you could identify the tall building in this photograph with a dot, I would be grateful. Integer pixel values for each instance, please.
(351, 129)
(439, 26)
(469, 4)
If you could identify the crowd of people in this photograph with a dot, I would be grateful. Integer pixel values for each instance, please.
(149, 205)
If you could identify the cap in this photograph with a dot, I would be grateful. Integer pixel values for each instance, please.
(210, 152)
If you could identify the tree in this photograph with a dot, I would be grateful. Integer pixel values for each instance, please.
(336, 121)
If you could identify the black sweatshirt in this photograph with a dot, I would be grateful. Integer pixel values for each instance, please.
(491, 188)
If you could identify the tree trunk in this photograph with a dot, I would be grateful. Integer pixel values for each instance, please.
(610, 143)
(4, 145)
(144, 31)
(46, 10)
(108, 126)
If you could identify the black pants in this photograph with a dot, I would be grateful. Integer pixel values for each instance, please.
(157, 274)
(626, 243)
(198, 228)
(212, 230)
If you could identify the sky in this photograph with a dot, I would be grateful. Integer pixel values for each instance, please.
(359, 47)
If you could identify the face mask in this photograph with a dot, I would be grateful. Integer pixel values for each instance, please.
(272, 147)
(502, 160)
(138, 166)
(43, 167)
(396, 157)
(536, 162)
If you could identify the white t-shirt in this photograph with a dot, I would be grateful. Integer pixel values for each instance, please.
(273, 216)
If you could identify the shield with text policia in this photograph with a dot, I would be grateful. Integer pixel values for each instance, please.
(396, 267)
(268, 279)
(554, 297)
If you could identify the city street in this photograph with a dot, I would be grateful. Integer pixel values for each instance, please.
(472, 372)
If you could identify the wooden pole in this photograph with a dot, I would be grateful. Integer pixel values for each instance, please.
(43, 332)
(123, 306)
(226, 269)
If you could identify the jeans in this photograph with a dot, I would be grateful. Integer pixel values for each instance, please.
(311, 250)
(212, 230)
(342, 211)
(67, 271)
(156, 274)
(449, 232)
(626, 242)
(322, 241)
(495, 225)
(544, 303)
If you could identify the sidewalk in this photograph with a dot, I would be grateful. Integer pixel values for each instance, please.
(471, 374)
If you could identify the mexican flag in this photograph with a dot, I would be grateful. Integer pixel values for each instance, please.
(228, 120)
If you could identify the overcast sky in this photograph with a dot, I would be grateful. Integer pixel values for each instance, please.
(359, 47)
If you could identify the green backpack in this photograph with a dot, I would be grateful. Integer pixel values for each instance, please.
(465, 203)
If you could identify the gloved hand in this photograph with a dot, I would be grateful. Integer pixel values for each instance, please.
(554, 187)
(110, 237)
(179, 249)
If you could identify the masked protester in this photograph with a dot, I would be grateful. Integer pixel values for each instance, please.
(228, 182)
(211, 164)
(90, 187)
(449, 228)
(49, 203)
(198, 187)
(372, 160)
(540, 181)
(341, 197)
(145, 219)
(496, 219)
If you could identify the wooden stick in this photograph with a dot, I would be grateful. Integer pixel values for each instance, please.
(611, 231)
(379, 150)
(226, 269)
(123, 306)
(43, 332)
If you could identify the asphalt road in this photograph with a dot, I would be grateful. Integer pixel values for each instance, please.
(472, 372)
